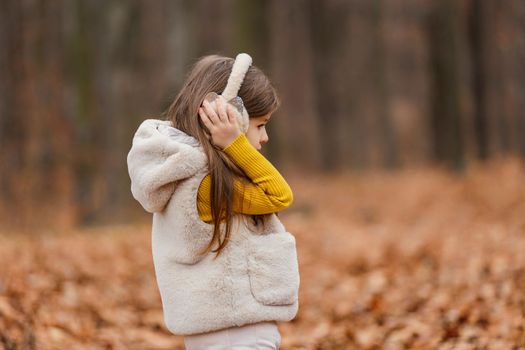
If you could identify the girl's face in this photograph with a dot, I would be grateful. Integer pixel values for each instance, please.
(256, 133)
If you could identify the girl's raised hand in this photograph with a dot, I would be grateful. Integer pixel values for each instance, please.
(221, 122)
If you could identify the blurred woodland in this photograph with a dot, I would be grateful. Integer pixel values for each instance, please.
(365, 85)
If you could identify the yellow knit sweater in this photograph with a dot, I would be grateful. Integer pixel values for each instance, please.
(268, 192)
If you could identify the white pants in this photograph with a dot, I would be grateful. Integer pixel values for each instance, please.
(259, 336)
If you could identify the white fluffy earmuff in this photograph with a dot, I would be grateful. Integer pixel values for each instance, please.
(241, 65)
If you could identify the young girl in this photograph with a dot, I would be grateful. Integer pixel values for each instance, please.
(225, 266)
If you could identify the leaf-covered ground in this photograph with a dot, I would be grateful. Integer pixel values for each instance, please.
(416, 259)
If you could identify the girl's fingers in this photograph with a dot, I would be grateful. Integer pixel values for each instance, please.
(210, 113)
(205, 119)
(221, 108)
(231, 113)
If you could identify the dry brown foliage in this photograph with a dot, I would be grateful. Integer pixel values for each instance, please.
(418, 259)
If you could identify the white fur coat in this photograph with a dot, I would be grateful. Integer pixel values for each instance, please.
(256, 276)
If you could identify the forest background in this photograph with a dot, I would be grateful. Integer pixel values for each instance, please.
(364, 85)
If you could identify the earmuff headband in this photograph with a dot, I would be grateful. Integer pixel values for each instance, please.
(241, 65)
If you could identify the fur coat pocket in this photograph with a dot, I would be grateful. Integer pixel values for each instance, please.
(273, 269)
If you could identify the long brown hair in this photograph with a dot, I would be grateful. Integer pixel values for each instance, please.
(210, 74)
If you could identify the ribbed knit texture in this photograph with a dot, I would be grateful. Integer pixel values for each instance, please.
(268, 192)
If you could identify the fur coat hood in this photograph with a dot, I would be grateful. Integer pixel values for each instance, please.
(160, 157)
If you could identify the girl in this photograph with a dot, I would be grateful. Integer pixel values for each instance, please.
(225, 266)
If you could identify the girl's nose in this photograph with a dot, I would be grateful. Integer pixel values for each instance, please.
(264, 138)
